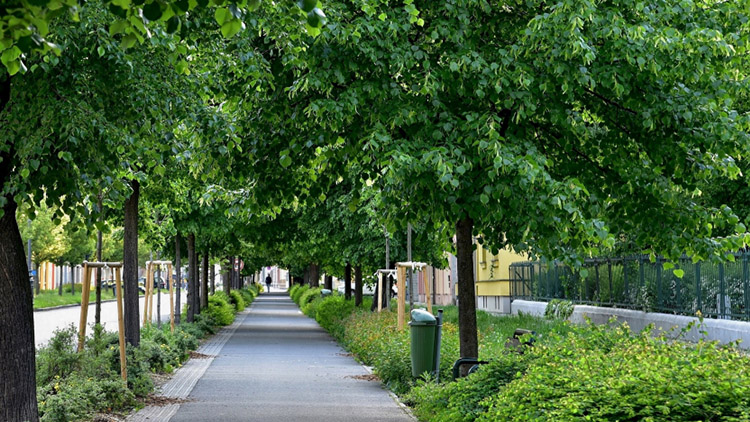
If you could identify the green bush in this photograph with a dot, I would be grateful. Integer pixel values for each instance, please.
(248, 295)
(308, 296)
(220, 312)
(331, 312)
(311, 307)
(237, 300)
(611, 374)
(293, 289)
(299, 292)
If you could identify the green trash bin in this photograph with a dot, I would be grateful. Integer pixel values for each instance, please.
(423, 328)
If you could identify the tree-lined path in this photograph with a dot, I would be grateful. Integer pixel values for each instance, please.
(278, 365)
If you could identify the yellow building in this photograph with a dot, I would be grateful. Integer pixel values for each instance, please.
(493, 278)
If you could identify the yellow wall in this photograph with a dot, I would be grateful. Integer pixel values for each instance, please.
(492, 271)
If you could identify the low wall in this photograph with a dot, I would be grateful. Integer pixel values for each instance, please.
(722, 330)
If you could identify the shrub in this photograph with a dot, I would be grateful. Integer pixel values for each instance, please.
(237, 300)
(299, 292)
(611, 374)
(311, 307)
(220, 312)
(248, 295)
(331, 312)
(293, 289)
(308, 296)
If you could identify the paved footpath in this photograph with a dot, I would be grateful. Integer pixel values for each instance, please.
(274, 364)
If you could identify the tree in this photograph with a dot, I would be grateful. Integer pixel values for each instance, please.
(535, 124)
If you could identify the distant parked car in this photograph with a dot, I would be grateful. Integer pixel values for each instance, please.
(157, 282)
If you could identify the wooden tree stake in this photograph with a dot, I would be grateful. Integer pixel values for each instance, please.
(85, 291)
(121, 326)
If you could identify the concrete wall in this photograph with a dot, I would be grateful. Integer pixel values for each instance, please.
(721, 330)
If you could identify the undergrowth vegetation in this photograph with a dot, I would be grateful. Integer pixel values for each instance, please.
(572, 373)
(73, 386)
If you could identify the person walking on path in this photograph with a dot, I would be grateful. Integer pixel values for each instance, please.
(268, 283)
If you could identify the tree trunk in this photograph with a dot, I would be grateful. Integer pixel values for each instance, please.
(17, 365)
(306, 276)
(228, 277)
(60, 281)
(198, 284)
(178, 273)
(358, 285)
(348, 281)
(192, 273)
(130, 267)
(329, 282)
(212, 275)
(204, 290)
(467, 311)
(314, 275)
(98, 291)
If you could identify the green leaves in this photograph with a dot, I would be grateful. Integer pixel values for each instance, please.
(229, 20)
(307, 5)
(11, 59)
(152, 11)
(316, 18)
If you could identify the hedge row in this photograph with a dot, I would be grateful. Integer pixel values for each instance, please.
(74, 386)
(572, 373)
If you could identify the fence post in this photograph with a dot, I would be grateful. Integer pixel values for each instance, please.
(598, 283)
(642, 281)
(745, 285)
(611, 293)
(626, 287)
(722, 288)
(678, 287)
(659, 304)
(698, 293)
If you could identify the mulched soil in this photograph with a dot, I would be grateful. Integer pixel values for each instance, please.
(366, 377)
(196, 355)
(154, 400)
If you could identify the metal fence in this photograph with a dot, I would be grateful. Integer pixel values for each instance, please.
(720, 290)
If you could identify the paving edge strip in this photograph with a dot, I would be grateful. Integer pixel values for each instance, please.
(404, 408)
(185, 378)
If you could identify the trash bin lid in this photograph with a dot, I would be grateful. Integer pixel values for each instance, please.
(422, 317)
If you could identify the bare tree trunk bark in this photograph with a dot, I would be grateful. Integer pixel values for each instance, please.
(17, 365)
(60, 281)
(348, 281)
(358, 285)
(314, 275)
(328, 282)
(204, 290)
(192, 275)
(130, 267)
(467, 309)
(178, 273)
(212, 275)
(198, 283)
(228, 276)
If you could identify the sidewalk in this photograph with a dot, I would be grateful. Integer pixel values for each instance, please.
(274, 364)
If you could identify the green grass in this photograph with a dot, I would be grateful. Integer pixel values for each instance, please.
(50, 298)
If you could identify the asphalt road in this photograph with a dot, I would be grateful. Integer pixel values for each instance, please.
(47, 321)
(279, 365)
